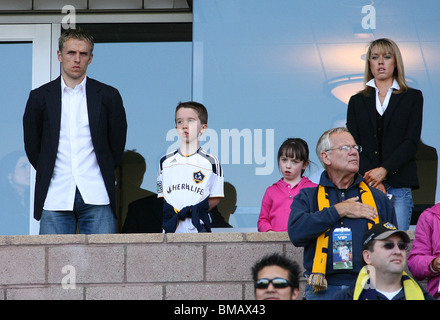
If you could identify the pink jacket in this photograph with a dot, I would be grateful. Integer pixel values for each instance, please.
(426, 247)
(275, 207)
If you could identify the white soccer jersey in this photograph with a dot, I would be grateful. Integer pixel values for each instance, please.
(188, 180)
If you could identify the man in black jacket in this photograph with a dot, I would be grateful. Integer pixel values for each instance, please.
(74, 135)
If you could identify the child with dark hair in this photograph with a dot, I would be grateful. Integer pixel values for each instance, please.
(293, 159)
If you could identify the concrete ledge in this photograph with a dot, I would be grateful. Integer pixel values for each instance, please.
(205, 237)
(267, 236)
(136, 266)
(131, 238)
(125, 238)
(43, 239)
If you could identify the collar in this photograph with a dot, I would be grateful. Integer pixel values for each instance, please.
(411, 288)
(372, 84)
(81, 87)
(188, 155)
(326, 182)
(285, 184)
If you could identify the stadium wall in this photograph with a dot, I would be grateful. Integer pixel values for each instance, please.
(136, 266)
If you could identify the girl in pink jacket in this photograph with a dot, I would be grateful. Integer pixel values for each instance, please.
(293, 159)
(424, 258)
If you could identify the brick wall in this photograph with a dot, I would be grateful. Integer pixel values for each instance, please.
(136, 266)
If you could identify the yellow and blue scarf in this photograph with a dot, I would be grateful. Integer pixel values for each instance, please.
(317, 278)
(410, 286)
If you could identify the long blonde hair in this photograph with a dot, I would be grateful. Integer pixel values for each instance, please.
(385, 45)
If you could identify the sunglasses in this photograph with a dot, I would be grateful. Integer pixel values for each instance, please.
(278, 283)
(391, 245)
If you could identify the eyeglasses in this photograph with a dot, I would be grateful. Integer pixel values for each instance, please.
(391, 245)
(347, 148)
(278, 283)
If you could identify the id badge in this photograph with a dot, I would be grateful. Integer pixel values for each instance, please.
(342, 249)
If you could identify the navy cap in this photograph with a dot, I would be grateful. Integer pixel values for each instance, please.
(381, 231)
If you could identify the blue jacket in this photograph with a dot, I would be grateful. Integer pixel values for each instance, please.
(196, 212)
(307, 223)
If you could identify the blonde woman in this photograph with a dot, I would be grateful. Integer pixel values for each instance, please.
(386, 120)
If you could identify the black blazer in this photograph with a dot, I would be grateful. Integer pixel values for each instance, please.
(41, 127)
(401, 134)
(144, 215)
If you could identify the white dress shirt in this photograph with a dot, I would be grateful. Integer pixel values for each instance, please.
(381, 107)
(76, 164)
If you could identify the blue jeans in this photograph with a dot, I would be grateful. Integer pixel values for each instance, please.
(403, 205)
(90, 219)
(322, 295)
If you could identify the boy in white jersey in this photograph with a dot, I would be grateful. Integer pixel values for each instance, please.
(190, 180)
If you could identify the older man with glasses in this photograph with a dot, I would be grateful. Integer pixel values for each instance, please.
(330, 220)
(384, 277)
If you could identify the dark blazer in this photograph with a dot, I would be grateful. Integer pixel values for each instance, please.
(144, 215)
(41, 126)
(401, 134)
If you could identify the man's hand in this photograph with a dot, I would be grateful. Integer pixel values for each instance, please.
(352, 208)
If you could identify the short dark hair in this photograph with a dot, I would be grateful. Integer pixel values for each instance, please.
(79, 34)
(197, 107)
(294, 148)
(276, 259)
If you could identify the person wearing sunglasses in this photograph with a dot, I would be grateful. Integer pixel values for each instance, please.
(276, 278)
(383, 277)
